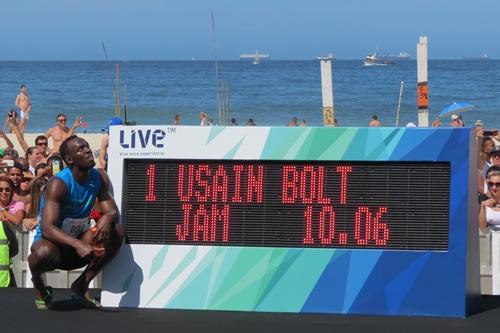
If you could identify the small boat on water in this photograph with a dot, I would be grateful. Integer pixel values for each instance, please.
(375, 59)
(255, 57)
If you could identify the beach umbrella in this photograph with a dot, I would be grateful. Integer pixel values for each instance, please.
(456, 108)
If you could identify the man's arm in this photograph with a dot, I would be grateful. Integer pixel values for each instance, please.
(7, 140)
(103, 152)
(20, 137)
(55, 194)
(108, 208)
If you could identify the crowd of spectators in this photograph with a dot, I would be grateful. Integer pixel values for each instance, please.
(24, 174)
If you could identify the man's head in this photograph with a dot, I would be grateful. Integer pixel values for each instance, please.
(495, 156)
(76, 152)
(42, 143)
(455, 120)
(486, 147)
(23, 88)
(15, 174)
(23, 163)
(34, 156)
(11, 153)
(61, 120)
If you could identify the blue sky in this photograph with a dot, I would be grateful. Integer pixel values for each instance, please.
(287, 29)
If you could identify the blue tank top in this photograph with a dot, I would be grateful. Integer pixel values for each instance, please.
(78, 203)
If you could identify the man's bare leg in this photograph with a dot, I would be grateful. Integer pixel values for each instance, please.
(81, 285)
(44, 257)
(22, 125)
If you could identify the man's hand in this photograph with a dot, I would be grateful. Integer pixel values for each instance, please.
(103, 230)
(83, 249)
(12, 122)
(78, 122)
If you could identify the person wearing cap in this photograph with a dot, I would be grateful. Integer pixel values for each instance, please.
(60, 132)
(455, 121)
(103, 152)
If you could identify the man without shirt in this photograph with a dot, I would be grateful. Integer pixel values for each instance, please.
(23, 103)
(60, 132)
(64, 236)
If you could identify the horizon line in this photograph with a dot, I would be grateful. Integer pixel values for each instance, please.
(236, 60)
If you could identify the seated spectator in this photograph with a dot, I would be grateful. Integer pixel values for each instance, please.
(11, 211)
(233, 122)
(455, 121)
(436, 122)
(293, 122)
(203, 119)
(375, 122)
(489, 213)
(250, 122)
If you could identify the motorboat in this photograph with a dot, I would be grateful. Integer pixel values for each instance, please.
(375, 59)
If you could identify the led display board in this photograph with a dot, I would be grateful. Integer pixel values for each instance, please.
(308, 220)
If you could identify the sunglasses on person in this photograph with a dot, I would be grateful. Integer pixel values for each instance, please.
(5, 189)
(62, 120)
(42, 144)
(492, 184)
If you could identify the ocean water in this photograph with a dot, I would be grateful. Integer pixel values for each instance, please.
(271, 93)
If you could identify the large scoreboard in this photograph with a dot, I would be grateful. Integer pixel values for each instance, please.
(329, 220)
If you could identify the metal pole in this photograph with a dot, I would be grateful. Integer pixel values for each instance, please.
(117, 104)
(327, 89)
(399, 102)
(216, 68)
(125, 110)
(423, 84)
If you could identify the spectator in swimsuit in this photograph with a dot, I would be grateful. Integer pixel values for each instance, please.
(23, 103)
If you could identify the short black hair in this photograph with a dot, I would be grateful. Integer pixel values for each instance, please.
(22, 86)
(40, 137)
(63, 149)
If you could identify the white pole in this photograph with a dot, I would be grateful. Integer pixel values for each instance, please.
(423, 84)
(399, 102)
(327, 89)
